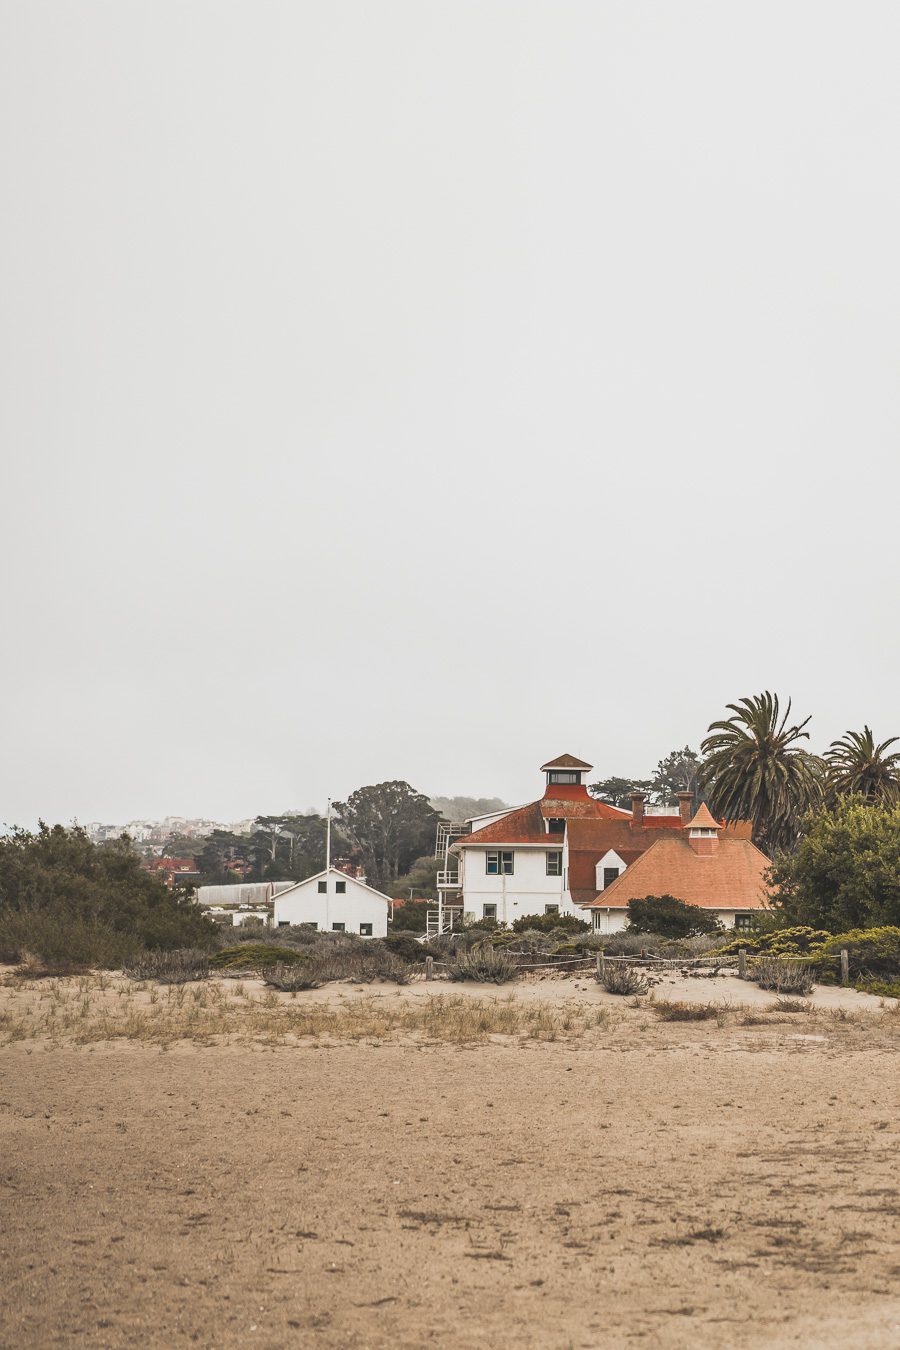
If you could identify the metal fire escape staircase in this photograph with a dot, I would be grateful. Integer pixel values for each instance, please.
(449, 912)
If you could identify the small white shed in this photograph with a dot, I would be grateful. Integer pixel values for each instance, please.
(334, 902)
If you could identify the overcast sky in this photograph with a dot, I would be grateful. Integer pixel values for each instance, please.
(401, 389)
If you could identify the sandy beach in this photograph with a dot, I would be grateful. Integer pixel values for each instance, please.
(606, 1179)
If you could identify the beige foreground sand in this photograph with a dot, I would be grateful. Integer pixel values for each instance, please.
(711, 1184)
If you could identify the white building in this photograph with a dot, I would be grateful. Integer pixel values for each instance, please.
(561, 853)
(334, 902)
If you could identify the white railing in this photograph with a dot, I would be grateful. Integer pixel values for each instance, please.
(448, 880)
(442, 921)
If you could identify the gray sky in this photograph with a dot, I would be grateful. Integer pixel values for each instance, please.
(424, 389)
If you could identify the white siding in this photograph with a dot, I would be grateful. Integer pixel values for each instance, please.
(527, 891)
(359, 905)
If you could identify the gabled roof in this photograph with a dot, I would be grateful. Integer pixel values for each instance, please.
(732, 877)
(565, 762)
(704, 820)
(344, 876)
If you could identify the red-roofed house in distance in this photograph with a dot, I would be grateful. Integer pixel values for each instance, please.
(561, 853)
(173, 871)
(703, 864)
(554, 854)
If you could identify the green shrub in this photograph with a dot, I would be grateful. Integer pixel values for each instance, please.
(883, 988)
(412, 915)
(874, 953)
(485, 926)
(175, 967)
(665, 915)
(484, 964)
(844, 874)
(65, 899)
(548, 923)
(254, 956)
(406, 946)
(800, 941)
(617, 977)
(62, 940)
(786, 975)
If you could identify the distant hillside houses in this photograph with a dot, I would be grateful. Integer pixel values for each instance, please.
(569, 853)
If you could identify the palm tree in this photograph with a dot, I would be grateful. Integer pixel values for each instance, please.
(857, 765)
(756, 770)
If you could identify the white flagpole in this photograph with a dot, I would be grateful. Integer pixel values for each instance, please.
(328, 838)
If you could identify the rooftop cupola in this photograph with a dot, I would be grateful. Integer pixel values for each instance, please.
(566, 769)
(703, 831)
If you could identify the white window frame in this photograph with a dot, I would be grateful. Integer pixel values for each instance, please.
(555, 854)
(501, 869)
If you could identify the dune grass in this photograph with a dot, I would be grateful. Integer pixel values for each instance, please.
(77, 1011)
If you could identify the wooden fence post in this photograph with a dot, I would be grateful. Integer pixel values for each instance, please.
(429, 967)
(845, 967)
(599, 965)
(742, 963)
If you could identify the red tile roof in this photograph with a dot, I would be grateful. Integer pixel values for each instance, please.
(732, 876)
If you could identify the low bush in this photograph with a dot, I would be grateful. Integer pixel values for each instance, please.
(874, 952)
(882, 988)
(485, 964)
(529, 943)
(684, 1012)
(363, 964)
(406, 946)
(618, 978)
(626, 943)
(785, 975)
(800, 941)
(669, 917)
(548, 923)
(254, 956)
(60, 940)
(291, 979)
(175, 967)
(792, 1005)
(482, 926)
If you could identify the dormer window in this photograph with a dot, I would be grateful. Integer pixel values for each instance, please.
(563, 776)
(556, 825)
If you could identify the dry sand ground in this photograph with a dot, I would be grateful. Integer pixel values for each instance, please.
(628, 1182)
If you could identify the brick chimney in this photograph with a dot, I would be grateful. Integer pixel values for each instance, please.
(685, 807)
(637, 808)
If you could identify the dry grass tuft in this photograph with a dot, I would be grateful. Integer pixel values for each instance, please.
(75, 1012)
(684, 1012)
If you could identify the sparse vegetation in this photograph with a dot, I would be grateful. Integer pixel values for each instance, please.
(618, 978)
(668, 1011)
(792, 1005)
(485, 963)
(292, 979)
(175, 967)
(783, 974)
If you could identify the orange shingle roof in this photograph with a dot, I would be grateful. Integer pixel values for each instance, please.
(732, 876)
(704, 820)
(565, 762)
